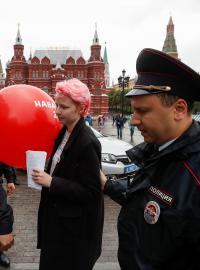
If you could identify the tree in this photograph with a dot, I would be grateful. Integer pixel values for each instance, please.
(115, 101)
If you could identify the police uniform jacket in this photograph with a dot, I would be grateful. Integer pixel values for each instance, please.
(168, 181)
(6, 213)
(70, 218)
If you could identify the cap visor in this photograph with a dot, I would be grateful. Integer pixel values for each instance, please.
(140, 92)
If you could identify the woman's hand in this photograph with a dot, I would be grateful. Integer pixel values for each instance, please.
(6, 241)
(41, 178)
(10, 188)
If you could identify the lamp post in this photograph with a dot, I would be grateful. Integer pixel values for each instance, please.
(123, 82)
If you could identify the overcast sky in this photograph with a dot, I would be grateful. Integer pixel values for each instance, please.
(127, 26)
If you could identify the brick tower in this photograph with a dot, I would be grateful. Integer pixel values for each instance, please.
(169, 46)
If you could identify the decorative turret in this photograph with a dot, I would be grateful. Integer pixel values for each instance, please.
(96, 78)
(106, 71)
(18, 38)
(30, 56)
(1, 69)
(2, 77)
(95, 48)
(18, 48)
(95, 39)
(17, 68)
(169, 46)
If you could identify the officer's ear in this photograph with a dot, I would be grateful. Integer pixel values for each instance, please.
(180, 109)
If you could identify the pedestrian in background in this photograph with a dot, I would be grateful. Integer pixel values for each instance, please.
(88, 118)
(6, 213)
(119, 121)
(113, 120)
(131, 126)
(159, 222)
(70, 219)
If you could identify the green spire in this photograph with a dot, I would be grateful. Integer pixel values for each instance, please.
(105, 56)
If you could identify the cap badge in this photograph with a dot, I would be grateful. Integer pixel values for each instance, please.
(151, 212)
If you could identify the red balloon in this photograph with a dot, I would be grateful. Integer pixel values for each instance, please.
(28, 122)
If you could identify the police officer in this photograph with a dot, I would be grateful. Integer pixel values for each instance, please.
(6, 213)
(159, 222)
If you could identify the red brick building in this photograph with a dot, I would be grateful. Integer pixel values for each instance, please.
(48, 66)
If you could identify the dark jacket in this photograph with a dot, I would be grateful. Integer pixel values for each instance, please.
(7, 172)
(171, 180)
(6, 213)
(119, 120)
(70, 220)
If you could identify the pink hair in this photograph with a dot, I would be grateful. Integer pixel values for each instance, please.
(77, 91)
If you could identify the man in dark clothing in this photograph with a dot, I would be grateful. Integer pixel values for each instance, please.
(159, 222)
(119, 120)
(6, 213)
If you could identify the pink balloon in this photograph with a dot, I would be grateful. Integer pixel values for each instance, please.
(28, 122)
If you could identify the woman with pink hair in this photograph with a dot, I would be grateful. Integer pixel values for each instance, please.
(70, 218)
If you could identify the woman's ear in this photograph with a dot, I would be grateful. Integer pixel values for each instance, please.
(81, 109)
(180, 109)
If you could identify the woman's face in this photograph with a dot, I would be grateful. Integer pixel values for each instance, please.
(68, 111)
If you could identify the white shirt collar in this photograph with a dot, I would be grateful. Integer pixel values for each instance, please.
(165, 145)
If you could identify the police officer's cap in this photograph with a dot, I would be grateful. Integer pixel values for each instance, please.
(158, 72)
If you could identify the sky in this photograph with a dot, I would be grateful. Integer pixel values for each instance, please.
(127, 26)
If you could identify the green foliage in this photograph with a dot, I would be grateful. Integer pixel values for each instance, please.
(115, 101)
(196, 107)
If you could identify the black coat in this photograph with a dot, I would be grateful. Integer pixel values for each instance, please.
(169, 180)
(6, 213)
(70, 219)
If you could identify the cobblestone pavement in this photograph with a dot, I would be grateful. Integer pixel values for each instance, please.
(24, 255)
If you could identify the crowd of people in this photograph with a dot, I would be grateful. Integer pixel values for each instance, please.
(119, 121)
(159, 221)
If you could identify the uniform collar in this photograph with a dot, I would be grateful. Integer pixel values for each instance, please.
(189, 142)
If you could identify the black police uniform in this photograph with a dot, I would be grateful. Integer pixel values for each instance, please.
(159, 222)
(171, 180)
(6, 213)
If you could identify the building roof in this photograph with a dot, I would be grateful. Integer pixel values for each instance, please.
(57, 54)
